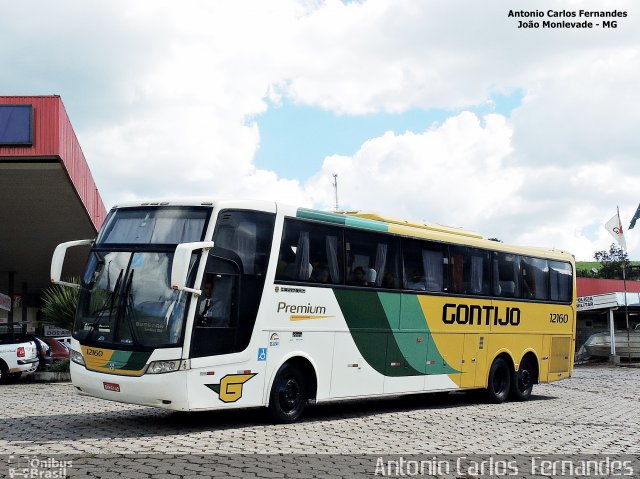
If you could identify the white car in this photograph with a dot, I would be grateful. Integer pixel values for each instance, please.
(17, 356)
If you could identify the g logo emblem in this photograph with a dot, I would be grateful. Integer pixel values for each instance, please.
(230, 387)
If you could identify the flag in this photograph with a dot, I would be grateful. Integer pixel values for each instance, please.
(614, 227)
(635, 218)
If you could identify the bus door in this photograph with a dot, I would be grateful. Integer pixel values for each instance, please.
(473, 364)
(351, 374)
(543, 375)
(222, 373)
(224, 365)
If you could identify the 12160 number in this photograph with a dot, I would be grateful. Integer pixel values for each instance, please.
(559, 318)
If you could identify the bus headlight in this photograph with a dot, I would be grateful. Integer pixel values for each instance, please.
(76, 357)
(160, 367)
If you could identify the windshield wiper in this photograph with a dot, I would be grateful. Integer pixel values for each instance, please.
(107, 305)
(128, 310)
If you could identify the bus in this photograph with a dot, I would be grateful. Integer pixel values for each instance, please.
(203, 305)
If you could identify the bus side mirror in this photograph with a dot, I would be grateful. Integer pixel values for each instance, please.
(58, 261)
(181, 262)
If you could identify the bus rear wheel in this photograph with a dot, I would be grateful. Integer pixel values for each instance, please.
(499, 381)
(522, 380)
(288, 396)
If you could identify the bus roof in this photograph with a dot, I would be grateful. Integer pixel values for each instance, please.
(422, 225)
(436, 232)
(364, 220)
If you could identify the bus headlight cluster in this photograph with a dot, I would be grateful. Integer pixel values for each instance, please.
(76, 357)
(160, 367)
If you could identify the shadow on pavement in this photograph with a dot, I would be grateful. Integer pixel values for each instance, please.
(151, 422)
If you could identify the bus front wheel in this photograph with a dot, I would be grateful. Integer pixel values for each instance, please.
(499, 381)
(522, 380)
(288, 395)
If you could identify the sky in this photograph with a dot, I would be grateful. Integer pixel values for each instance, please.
(434, 110)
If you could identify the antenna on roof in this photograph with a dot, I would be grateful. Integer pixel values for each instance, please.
(335, 189)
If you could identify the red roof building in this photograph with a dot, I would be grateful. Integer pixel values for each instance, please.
(48, 196)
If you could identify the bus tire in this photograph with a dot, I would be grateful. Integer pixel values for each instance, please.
(499, 381)
(288, 396)
(522, 380)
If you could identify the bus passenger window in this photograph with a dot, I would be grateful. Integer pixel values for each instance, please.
(424, 265)
(535, 278)
(561, 281)
(310, 253)
(506, 275)
(372, 259)
(470, 271)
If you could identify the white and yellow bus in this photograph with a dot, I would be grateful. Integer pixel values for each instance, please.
(216, 304)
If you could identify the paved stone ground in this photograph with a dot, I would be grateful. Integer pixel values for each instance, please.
(595, 412)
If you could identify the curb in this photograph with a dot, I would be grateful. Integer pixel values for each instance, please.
(49, 377)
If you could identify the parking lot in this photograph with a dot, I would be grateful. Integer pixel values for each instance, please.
(595, 412)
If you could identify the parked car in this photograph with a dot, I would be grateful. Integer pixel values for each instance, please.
(627, 343)
(17, 355)
(66, 340)
(58, 349)
(44, 350)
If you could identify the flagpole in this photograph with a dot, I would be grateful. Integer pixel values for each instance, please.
(626, 303)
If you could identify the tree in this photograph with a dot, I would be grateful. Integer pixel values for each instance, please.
(611, 262)
(60, 303)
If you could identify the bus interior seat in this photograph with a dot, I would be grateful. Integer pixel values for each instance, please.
(508, 287)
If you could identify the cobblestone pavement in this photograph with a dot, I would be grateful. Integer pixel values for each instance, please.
(595, 412)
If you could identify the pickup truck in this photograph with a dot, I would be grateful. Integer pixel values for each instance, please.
(17, 355)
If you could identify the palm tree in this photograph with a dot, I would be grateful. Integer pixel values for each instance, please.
(60, 303)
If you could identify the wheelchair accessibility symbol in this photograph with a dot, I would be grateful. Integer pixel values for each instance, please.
(262, 354)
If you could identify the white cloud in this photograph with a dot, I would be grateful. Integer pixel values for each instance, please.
(162, 97)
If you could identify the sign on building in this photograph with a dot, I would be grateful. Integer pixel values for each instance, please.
(5, 302)
(597, 301)
(55, 331)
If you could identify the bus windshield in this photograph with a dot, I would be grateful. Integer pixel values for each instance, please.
(126, 299)
(157, 225)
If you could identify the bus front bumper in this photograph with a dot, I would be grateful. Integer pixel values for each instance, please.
(167, 391)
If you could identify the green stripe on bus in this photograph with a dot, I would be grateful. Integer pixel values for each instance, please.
(321, 216)
(370, 327)
(128, 360)
(136, 361)
(342, 219)
(367, 224)
(391, 333)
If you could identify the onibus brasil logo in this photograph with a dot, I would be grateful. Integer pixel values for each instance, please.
(230, 387)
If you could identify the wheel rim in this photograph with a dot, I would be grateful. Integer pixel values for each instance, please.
(289, 395)
(524, 379)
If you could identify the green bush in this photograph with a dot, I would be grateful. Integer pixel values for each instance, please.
(61, 366)
(60, 303)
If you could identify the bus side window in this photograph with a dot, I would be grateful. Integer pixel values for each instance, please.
(236, 265)
(535, 278)
(424, 265)
(470, 271)
(561, 281)
(506, 275)
(310, 253)
(372, 259)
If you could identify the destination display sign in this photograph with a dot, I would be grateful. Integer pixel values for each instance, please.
(597, 301)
